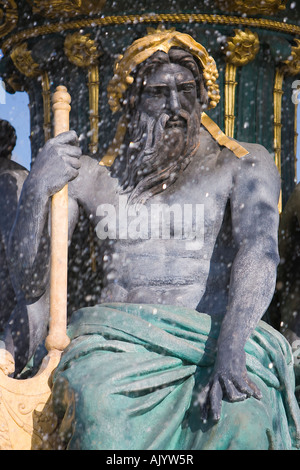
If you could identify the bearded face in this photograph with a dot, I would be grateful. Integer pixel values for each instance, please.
(163, 131)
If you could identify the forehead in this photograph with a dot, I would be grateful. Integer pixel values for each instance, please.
(167, 73)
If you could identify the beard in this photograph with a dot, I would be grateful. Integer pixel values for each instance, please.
(159, 150)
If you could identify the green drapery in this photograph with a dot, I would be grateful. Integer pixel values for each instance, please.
(130, 378)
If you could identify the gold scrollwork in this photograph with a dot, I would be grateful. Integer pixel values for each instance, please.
(252, 7)
(82, 51)
(55, 8)
(241, 49)
(291, 66)
(24, 62)
(27, 420)
(8, 16)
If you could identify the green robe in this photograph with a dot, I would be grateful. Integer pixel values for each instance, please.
(131, 376)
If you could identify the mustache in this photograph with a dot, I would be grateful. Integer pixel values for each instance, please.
(159, 129)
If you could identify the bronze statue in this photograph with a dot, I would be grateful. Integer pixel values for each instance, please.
(166, 153)
(12, 177)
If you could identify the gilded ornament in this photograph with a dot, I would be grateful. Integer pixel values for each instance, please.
(160, 40)
(277, 99)
(230, 87)
(8, 16)
(81, 23)
(81, 50)
(24, 62)
(26, 415)
(252, 7)
(242, 48)
(67, 8)
(292, 65)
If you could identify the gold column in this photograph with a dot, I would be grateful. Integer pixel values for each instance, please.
(277, 93)
(82, 51)
(47, 107)
(24, 62)
(241, 49)
(93, 84)
(230, 86)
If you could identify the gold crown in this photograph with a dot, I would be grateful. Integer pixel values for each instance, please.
(160, 40)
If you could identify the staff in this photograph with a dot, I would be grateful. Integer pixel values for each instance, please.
(57, 337)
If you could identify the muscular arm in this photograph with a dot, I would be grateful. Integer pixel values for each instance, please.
(255, 218)
(29, 247)
(29, 242)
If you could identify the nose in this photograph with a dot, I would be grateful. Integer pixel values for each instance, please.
(174, 102)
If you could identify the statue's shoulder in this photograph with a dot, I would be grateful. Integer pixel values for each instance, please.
(230, 152)
(257, 161)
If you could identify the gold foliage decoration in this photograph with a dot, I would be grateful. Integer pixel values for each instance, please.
(81, 50)
(292, 65)
(252, 7)
(24, 62)
(8, 16)
(242, 48)
(69, 8)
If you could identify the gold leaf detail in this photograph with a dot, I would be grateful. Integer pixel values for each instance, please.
(242, 48)
(67, 8)
(292, 64)
(252, 7)
(8, 16)
(81, 50)
(24, 62)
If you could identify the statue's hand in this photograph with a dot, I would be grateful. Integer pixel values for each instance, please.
(57, 163)
(229, 381)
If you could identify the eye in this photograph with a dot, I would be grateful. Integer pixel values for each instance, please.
(186, 87)
(156, 91)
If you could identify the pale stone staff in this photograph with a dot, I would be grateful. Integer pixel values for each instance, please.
(57, 338)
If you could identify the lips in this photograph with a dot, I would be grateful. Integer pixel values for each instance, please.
(176, 121)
